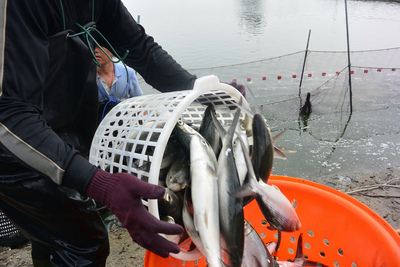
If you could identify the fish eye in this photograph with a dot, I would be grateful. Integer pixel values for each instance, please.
(167, 197)
(203, 142)
(180, 122)
(242, 126)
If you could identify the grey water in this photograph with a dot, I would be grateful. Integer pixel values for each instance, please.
(209, 33)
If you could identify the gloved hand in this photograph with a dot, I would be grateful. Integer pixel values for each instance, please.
(121, 193)
(239, 87)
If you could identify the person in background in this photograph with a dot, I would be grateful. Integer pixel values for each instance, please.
(48, 117)
(114, 81)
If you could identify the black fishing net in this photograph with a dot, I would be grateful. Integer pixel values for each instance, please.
(362, 125)
(281, 85)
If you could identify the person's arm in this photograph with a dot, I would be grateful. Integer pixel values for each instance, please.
(26, 135)
(134, 88)
(147, 57)
(24, 131)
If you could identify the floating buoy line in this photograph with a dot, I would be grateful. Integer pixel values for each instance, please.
(279, 77)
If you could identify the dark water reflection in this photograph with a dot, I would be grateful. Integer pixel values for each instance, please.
(252, 16)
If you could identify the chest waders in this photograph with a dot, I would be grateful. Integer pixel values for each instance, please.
(63, 226)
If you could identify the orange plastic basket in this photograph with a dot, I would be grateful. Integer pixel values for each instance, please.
(338, 230)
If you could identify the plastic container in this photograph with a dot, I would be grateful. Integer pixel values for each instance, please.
(338, 230)
(137, 130)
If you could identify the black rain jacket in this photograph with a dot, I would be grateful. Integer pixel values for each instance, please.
(48, 92)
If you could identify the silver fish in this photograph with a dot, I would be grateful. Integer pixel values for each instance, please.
(255, 253)
(262, 156)
(299, 259)
(209, 131)
(188, 221)
(240, 161)
(178, 174)
(204, 184)
(231, 209)
(171, 205)
(274, 205)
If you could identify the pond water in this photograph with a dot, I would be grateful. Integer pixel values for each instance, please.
(202, 35)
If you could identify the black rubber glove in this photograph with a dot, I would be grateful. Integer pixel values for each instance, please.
(122, 193)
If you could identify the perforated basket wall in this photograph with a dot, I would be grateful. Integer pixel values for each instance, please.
(137, 130)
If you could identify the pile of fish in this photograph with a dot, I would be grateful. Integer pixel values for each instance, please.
(216, 172)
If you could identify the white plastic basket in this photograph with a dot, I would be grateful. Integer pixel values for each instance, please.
(138, 129)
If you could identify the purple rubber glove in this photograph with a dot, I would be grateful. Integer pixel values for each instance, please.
(122, 193)
(239, 87)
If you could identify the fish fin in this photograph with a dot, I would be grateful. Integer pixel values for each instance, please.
(278, 244)
(271, 227)
(220, 129)
(245, 110)
(235, 121)
(251, 174)
(246, 189)
(278, 135)
(299, 252)
(278, 154)
(145, 166)
(253, 98)
(294, 203)
(285, 150)
(241, 192)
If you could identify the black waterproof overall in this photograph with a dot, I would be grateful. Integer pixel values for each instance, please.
(48, 115)
(61, 224)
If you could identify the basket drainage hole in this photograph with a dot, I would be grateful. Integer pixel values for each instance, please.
(340, 252)
(322, 254)
(264, 222)
(292, 239)
(353, 264)
(291, 251)
(326, 242)
(310, 233)
(336, 263)
(263, 235)
(307, 245)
